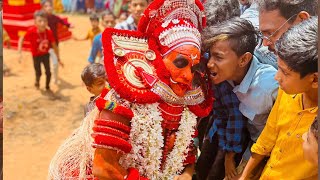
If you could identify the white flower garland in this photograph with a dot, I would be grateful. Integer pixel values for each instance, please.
(147, 142)
(174, 163)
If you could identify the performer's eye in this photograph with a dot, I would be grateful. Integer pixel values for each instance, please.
(180, 62)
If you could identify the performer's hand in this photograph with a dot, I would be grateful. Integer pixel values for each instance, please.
(230, 166)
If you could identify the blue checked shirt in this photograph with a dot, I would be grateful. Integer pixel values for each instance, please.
(228, 122)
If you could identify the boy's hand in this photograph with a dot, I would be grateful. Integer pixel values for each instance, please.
(60, 63)
(71, 26)
(230, 165)
(20, 57)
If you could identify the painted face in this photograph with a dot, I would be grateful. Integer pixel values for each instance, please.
(137, 7)
(97, 86)
(223, 62)
(47, 7)
(290, 81)
(272, 26)
(310, 147)
(179, 63)
(41, 23)
(108, 21)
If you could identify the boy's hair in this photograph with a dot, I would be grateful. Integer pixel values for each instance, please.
(289, 8)
(314, 128)
(240, 33)
(43, 2)
(92, 72)
(220, 10)
(298, 47)
(94, 17)
(40, 13)
(107, 12)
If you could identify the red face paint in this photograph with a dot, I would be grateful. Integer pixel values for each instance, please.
(179, 62)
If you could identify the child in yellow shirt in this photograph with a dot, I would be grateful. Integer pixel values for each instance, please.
(294, 110)
(94, 20)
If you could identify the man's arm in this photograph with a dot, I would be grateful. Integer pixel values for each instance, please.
(62, 21)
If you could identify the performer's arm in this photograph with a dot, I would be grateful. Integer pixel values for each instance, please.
(106, 161)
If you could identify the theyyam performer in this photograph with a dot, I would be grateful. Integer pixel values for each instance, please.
(146, 118)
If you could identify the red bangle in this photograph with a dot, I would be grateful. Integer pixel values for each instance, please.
(111, 131)
(111, 141)
(113, 124)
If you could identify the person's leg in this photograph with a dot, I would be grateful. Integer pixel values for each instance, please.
(206, 158)
(46, 64)
(55, 65)
(37, 68)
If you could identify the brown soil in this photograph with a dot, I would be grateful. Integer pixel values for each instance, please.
(35, 122)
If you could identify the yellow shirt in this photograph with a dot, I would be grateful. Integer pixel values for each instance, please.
(92, 33)
(281, 138)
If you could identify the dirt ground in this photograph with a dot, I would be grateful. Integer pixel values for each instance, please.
(36, 123)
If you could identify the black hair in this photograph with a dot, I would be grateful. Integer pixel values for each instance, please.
(92, 72)
(107, 12)
(40, 13)
(289, 8)
(46, 1)
(298, 47)
(240, 34)
(94, 17)
(220, 10)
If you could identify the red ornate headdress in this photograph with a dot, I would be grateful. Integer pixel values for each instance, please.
(174, 23)
(133, 60)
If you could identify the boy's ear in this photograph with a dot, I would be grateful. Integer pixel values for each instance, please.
(245, 59)
(302, 15)
(314, 77)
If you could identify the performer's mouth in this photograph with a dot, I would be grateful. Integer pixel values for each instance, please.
(213, 74)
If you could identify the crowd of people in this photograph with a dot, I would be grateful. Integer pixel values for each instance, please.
(240, 76)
